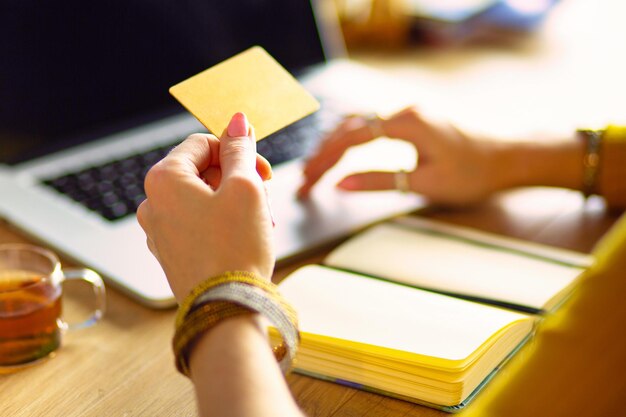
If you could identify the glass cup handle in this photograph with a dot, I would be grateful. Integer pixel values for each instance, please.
(98, 289)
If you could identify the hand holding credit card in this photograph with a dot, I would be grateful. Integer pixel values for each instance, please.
(251, 82)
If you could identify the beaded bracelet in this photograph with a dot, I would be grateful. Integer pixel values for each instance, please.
(591, 159)
(228, 295)
(229, 276)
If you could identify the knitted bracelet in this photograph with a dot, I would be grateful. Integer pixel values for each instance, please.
(229, 276)
(229, 295)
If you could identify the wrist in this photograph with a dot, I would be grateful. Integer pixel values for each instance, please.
(232, 295)
(225, 336)
(551, 163)
(183, 283)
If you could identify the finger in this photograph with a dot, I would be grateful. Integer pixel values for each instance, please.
(183, 165)
(263, 167)
(353, 131)
(416, 126)
(368, 181)
(195, 154)
(153, 249)
(143, 216)
(269, 205)
(151, 246)
(212, 176)
(238, 149)
(423, 181)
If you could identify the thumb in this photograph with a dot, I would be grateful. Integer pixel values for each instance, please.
(238, 148)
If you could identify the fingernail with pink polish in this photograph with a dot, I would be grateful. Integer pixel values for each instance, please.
(238, 125)
(348, 183)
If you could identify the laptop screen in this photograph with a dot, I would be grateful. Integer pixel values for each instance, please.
(75, 70)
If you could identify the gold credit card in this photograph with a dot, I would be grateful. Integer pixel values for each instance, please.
(251, 82)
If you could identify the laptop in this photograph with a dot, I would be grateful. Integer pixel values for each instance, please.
(85, 112)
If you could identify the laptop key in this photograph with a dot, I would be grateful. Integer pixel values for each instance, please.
(113, 190)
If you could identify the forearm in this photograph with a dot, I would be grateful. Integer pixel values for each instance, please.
(235, 373)
(559, 163)
(553, 163)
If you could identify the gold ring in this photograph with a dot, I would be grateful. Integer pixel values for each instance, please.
(401, 181)
(375, 125)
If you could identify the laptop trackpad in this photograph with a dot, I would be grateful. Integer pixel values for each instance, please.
(331, 214)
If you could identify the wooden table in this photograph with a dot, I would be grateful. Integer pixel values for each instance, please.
(566, 76)
(124, 365)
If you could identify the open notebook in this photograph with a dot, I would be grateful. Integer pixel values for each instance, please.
(365, 323)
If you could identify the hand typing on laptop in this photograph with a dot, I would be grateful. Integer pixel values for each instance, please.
(454, 167)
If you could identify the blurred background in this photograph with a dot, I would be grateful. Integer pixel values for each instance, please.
(439, 22)
(504, 66)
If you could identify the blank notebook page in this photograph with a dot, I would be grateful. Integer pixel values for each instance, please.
(378, 313)
(453, 265)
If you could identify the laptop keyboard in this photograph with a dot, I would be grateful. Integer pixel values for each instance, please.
(293, 141)
(115, 189)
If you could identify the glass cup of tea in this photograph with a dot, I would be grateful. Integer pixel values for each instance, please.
(31, 324)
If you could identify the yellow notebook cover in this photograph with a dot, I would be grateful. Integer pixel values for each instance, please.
(401, 341)
(394, 309)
